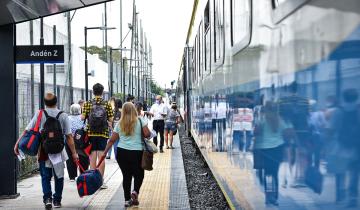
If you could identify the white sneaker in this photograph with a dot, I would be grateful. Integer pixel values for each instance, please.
(103, 187)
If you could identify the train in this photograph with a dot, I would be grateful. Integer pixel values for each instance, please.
(241, 54)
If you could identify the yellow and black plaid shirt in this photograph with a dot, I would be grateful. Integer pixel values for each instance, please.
(86, 112)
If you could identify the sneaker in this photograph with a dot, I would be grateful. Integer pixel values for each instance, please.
(134, 198)
(57, 204)
(161, 150)
(171, 147)
(72, 180)
(167, 147)
(48, 203)
(128, 203)
(108, 157)
(103, 187)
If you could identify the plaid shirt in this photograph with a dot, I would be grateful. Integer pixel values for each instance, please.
(86, 112)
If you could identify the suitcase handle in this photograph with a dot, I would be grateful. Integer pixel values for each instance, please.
(100, 161)
(80, 166)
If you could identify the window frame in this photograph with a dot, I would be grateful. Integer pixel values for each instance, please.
(245, 42)
(284, 10)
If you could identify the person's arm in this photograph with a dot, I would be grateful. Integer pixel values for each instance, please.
(151, 112)
(85, 111)
(71, 144)
(115, 136)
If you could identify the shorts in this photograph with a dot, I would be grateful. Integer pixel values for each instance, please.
(170, 126)
(98, 143)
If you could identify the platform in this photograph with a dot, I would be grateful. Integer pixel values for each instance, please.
(163, 188)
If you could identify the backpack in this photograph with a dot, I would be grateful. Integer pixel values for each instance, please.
(53, 137)
(98, 117)
(81, 139)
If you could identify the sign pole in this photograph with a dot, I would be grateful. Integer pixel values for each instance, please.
(54, 67)
(42, 72)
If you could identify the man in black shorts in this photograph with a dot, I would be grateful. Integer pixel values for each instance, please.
(98, 113)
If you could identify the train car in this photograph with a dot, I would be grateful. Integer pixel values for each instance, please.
(269, 91)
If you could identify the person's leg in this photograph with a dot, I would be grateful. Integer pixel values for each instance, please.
(171, 139)
(156, 129)
(84, 162)
(161, 131)
(115, 147)
(353, 185)
(166, 133)
(138, 172)
(59, 186)
(46, 174)
(102, 165)
(93, 153)
(340, 187)
(70, 165)
(125, 167)
(108, 155)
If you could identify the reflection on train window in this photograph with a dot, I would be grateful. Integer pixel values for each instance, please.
(200, 46)
(240, 16)
(218, 30)
(207, 17)
(276, 3)
(196, 62)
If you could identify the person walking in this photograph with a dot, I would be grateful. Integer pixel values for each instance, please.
(99, 115)
(76, 124)
(158, 111)
(172, 119)
(117, 115)
(49, 165)
(268, 150)
(129, 150)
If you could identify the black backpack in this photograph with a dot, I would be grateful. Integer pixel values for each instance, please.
(53, 137)
(98, 117)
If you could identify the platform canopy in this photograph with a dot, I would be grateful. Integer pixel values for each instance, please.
(15, 11)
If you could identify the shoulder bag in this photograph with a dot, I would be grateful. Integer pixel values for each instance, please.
(147, 156)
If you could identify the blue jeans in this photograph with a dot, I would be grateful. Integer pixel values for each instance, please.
(46, 174)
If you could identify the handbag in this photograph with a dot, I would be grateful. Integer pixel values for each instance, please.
(147, 156)
(30, 140)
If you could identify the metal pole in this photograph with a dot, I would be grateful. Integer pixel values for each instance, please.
(86, 67)
(132, 48)
(123, 78)
(70, 57)
(42, 72)
(121, 45)
(54, 66)
(111, 73)
(32, 70)
(105, 24)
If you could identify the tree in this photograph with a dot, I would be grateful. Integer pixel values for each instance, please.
(102, 53)
(156, 89)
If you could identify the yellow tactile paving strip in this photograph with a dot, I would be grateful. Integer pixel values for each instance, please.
(103, 197)
(155, 191)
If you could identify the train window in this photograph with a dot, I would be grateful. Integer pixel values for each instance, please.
(218, 30)
(207, 17)
(283, 8)
(200, 49)
(276, 3)
(240, 20)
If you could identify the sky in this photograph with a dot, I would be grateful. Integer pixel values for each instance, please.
(165, 23)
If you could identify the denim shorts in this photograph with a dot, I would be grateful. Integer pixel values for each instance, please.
(170, 126)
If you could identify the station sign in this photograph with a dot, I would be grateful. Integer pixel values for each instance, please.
(27, 54)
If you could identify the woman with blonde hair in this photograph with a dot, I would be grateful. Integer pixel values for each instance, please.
(129, 150)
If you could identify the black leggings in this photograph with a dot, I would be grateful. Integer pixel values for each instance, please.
(130, 164)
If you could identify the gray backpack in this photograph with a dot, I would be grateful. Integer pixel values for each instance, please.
(98, 117)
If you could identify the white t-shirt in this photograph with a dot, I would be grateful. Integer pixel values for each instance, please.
(158, 110)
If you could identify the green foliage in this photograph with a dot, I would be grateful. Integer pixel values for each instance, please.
(155, 88)
(102, 53)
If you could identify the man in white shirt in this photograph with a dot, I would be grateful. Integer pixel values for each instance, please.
(158, 111)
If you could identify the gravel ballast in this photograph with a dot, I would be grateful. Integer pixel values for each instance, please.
(203, 190)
